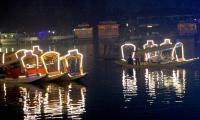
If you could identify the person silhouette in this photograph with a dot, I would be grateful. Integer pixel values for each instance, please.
(130, 60)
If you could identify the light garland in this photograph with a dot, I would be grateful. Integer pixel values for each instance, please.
(3, 58)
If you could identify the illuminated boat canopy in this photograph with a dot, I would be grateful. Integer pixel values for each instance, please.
(37, 50)
(74, 54)
(166, 42)
(174, 52)
(30, 63)
(150, 44)
(129, 45)
(51, 62)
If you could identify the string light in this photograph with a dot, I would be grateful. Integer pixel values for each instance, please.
(3, 58)
(6, 50)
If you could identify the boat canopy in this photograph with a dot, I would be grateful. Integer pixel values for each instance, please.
(131, 47)
(74, 62)
(51, 62)
(20, 53)
(175, 53)
(165, 54)
(150, 54)
(37, 50)
(30, 63)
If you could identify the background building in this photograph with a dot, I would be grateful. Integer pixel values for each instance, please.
(83, 31)
(108, 30)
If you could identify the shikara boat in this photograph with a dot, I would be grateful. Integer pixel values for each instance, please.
(161, 64)
(27, 73)
(164, 55)
(51, 62)
(72, 64)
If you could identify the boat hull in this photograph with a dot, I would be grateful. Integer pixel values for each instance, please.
(155, 65)
(54, 78)
(23, 80)
(76, 77)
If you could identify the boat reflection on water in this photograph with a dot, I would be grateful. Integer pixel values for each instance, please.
(129, 83)
(165, 86)
(171, 83)
(52, 101)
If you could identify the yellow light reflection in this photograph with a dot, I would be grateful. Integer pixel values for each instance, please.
(129, 83)
(170, 81)
(53, 101)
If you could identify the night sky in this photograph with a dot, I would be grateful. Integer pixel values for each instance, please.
(32, 15)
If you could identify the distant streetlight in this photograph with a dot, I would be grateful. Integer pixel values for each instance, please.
(149, 26)
(49, 31)
(53, 32)
(127, 24)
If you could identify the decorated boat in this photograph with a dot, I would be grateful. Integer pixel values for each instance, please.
(164, 55)
(72, 64)
(51, 62)
(28, 73)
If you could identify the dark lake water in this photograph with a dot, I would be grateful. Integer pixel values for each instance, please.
(109, 92)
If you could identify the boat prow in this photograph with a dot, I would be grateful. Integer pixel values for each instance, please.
(76, 77)
(23, 79)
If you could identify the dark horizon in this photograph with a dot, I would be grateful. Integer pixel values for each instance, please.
(41, 15)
